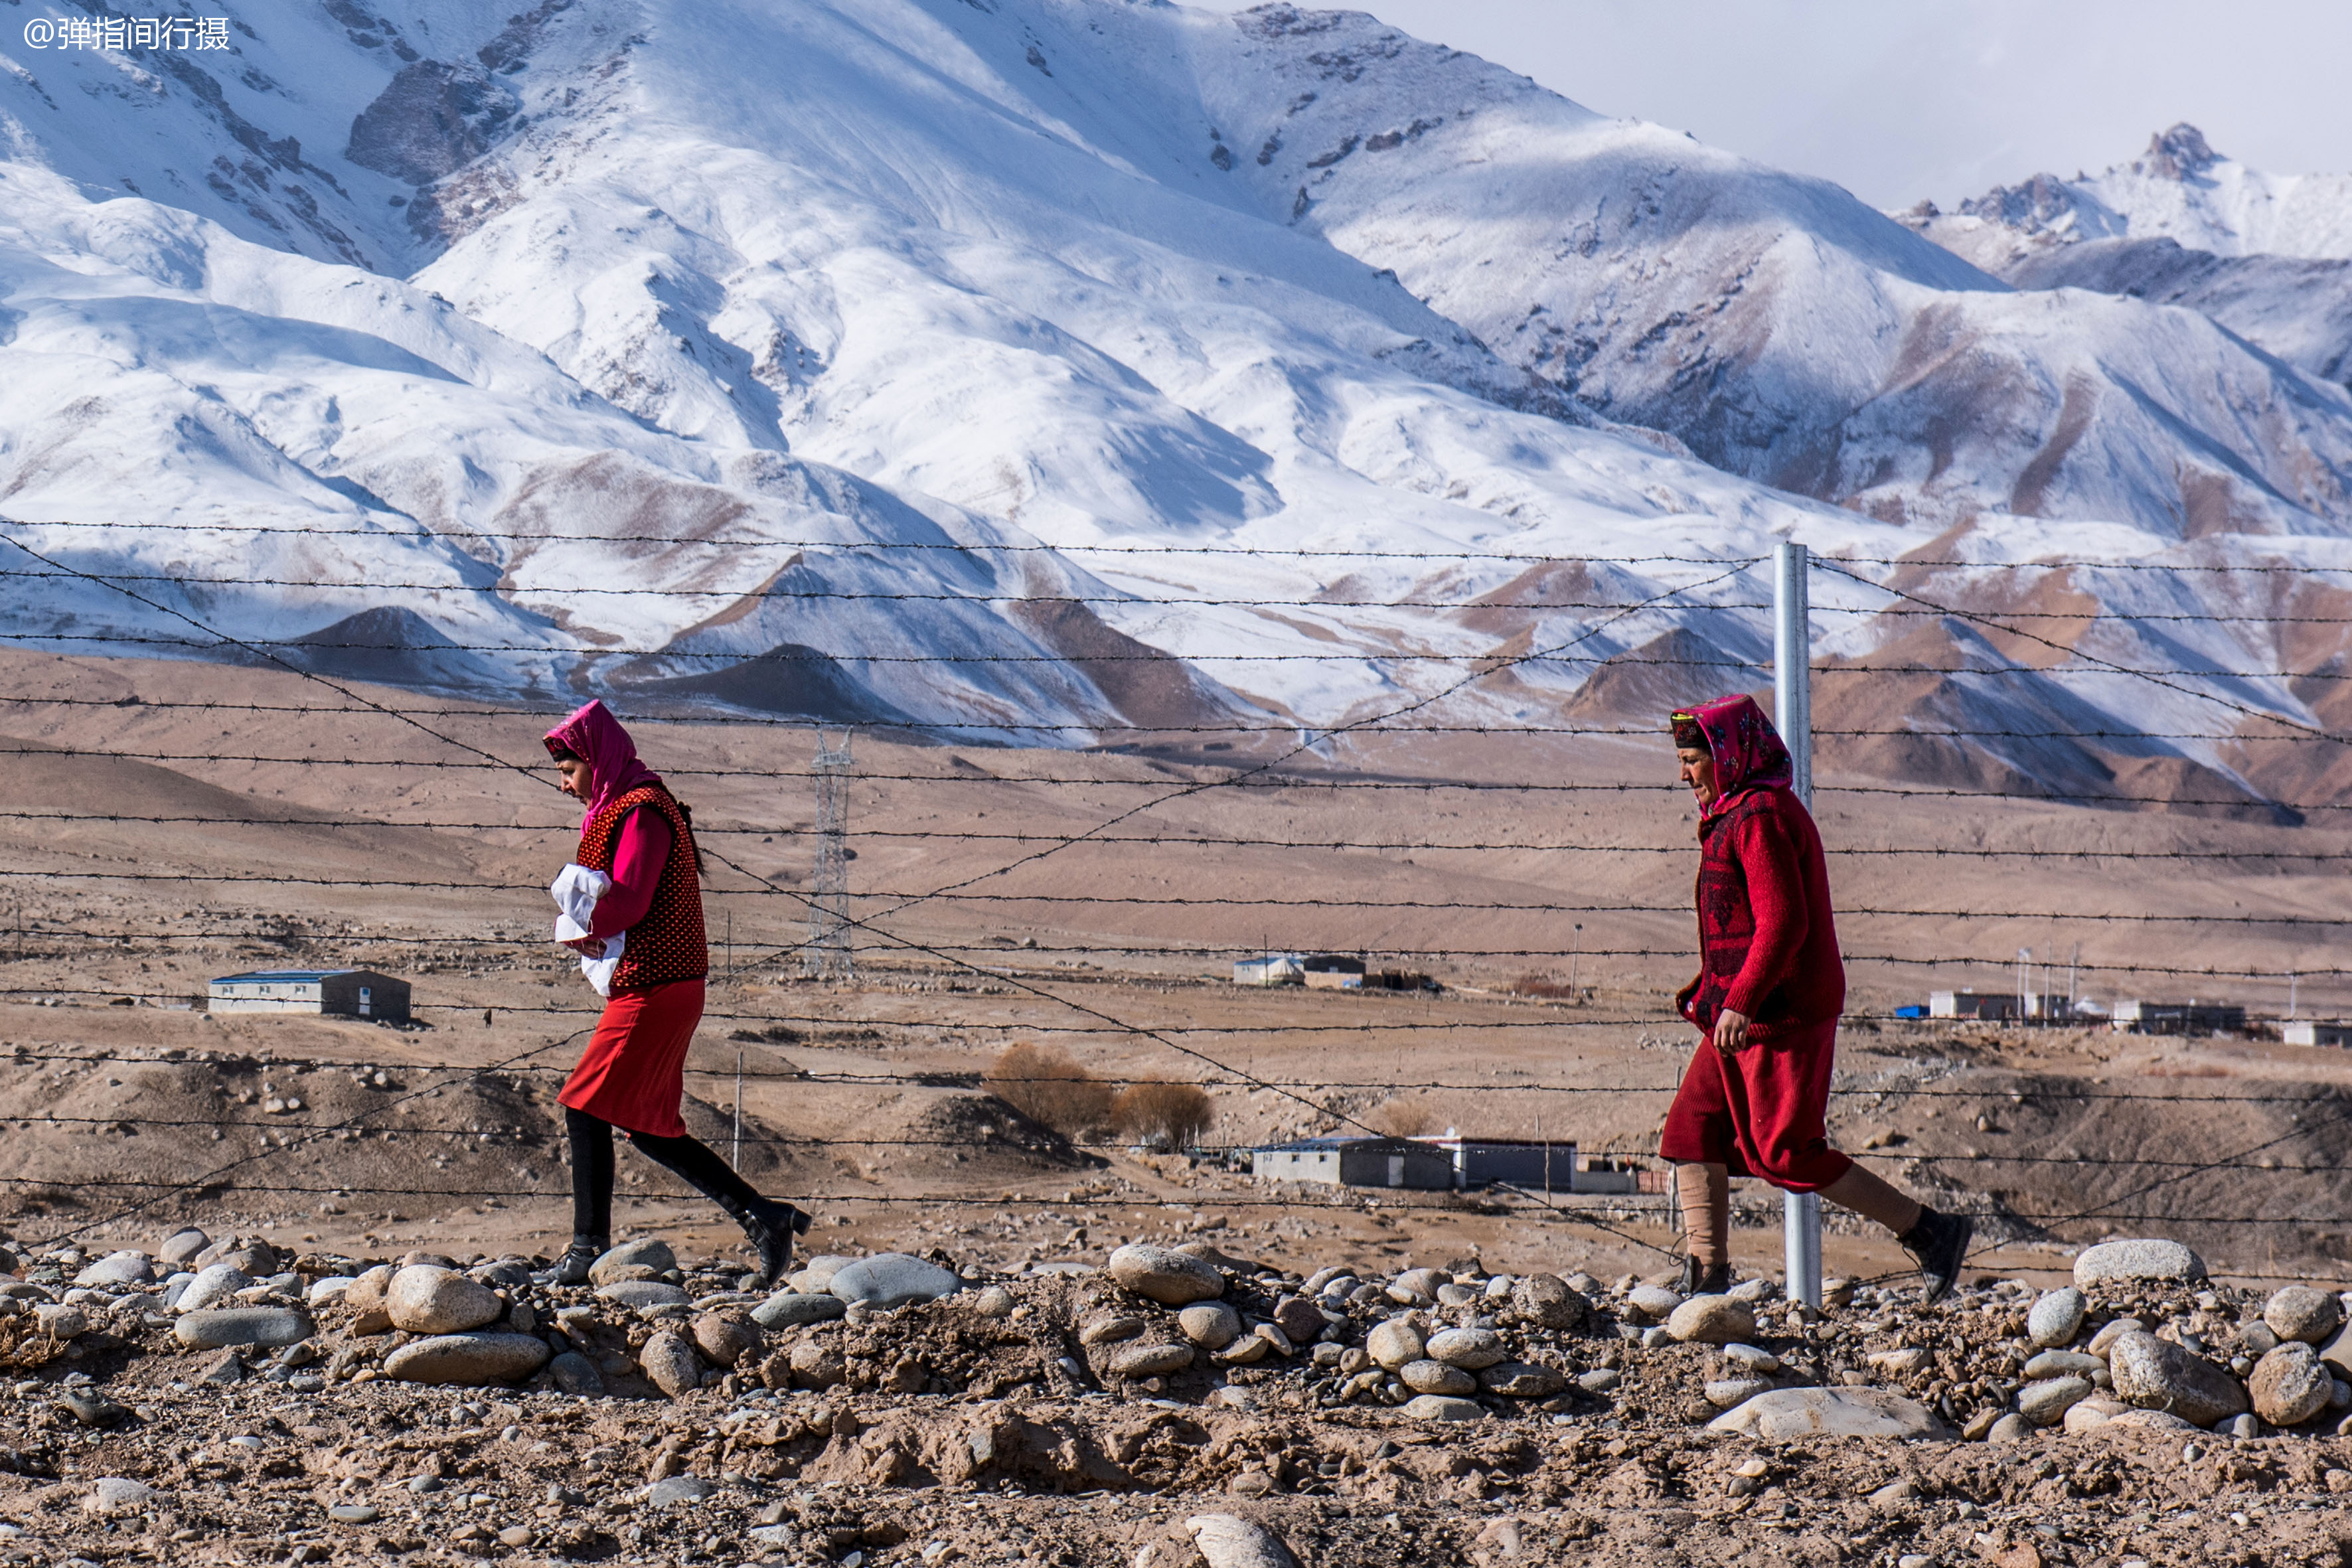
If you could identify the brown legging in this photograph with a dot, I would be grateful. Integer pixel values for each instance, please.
(1704, 1192)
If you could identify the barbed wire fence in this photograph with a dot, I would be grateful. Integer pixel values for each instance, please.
(30, 936)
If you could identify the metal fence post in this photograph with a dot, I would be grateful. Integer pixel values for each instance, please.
(1792, 713)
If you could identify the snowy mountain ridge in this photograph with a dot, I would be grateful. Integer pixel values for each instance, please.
(2268, 257)
(745, 353)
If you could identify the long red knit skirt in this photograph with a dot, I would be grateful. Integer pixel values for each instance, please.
(633, 1073)
(1759, 1113)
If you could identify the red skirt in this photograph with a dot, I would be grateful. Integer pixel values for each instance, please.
(1759, 1113)
(633, 1073)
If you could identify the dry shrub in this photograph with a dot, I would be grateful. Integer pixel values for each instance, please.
(1537, 985)
(1402, 1118)
(1049, 1088)
(1164, 1115)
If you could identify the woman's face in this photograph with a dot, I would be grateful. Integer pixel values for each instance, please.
(1699, 771)
(576, 776)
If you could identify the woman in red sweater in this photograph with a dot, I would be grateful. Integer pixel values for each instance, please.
(632, 1075)
(1770, 989)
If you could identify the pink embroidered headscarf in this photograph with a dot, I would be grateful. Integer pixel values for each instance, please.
(1749, 753)
(613, 770)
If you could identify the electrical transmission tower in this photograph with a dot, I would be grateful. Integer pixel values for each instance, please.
(828, 942)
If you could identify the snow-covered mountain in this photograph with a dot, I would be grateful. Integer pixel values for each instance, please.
(870, 330)
(2269, 256)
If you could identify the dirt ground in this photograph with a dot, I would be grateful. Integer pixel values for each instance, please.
(146, 852)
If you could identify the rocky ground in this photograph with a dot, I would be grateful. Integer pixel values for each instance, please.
(219, 1401)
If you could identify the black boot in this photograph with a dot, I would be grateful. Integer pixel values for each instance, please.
(1940, 1243)
(1710, 1280)
(772, 1226)
(572, 1268)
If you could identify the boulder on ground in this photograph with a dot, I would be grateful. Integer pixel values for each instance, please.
(468, 1360)
(61, 1320)
(1650, 1304)
(117, 1269)
(216, 1327)
(622, 1262)
(1146, 1358)
(723, 1341)
(1711, 1321)
(893, 1279)
(1395, 1342)
(426, 1299)
(669, 1365)
(120, 1494)
(1436, 1377)
(2156, 1374)
(2045, 1403)
(572, 1373)
(1522, 1380)
(180, 1248)
(2291, 1384)
(2130, 1262)
(2300, 1312)
(1469, 1349)
(1787, 1414)
(366, 1292)
(1548, 1301)
(1164, 1275)
(1442, 1407)
(1731, 1392)
(1212, 1325)
(1298, 1318)
(639, 1294)
(2056, 1318)
(1226, 1541)
(791, 1309)
(2063, 1363)
(214, 1284)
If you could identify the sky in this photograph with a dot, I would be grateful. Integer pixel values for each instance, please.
(1897, 100)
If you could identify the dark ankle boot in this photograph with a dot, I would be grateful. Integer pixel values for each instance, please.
(1940, 1243)
(1709, 1280)
(572, 1268)
(770, 1226)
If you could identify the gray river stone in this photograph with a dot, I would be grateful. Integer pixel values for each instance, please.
(894, 1279)
(216, 1327)
(468, 1360)
(2128, 1262)
(793, 1309)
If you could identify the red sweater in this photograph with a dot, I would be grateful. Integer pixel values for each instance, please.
(1768, 942)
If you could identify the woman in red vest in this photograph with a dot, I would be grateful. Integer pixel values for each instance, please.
(631, 1077)
(1769, 990)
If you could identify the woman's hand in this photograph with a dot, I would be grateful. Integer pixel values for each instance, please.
(1731, 1031)
(587, 946)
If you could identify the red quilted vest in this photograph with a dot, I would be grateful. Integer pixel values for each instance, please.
(667, 945)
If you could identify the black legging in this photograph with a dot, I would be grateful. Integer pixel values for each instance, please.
(694, 1161)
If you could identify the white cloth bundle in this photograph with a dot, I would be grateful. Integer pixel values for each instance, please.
(576, 889)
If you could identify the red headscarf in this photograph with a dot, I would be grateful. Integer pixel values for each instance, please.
(596, 736)
(1747, 752)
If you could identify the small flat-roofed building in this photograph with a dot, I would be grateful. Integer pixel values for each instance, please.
(2314, 1032)
(1545, 1165)
(345, 992)
(1991, 1004)
(1356, 1163)
(1334, 972)
(2137, 1018)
